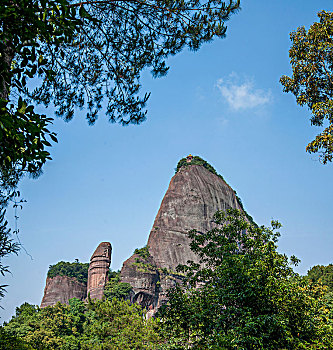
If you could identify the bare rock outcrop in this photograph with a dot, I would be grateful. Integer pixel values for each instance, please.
(62, 288)
(98, 270)
(193, 196)
(143, 276)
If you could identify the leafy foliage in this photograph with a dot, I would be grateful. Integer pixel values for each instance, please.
(83, 52)
(311, 58)
(143, 252)
(118, 325)
(114, 288)
(23, 139)
(27, 26)
(244, 295)
(323, 274)
(74, 269)
(7, 246)
(110, 324)
(11, 342)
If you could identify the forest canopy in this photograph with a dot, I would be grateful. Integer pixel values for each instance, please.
(322, 274)
(96, 325)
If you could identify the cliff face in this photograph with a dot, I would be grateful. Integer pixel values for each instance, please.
(62, 288)
(193, 196)
(98, 270)
(144, 278)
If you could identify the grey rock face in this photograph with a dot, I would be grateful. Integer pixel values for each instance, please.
(193, 196)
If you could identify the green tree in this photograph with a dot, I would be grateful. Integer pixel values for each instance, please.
(114, 288)
(109, 324)
(244, 294)
(311, 58)
(116, 324)
(13, 343)
(323, 274)
(84, 52)
(74, 269)
(47, 328)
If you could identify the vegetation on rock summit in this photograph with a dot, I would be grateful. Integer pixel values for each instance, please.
(74, 269)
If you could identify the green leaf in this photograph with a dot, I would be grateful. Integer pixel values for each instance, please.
(22, 107)
(83, 13)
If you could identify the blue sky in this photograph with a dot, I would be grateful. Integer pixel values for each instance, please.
(223, 103)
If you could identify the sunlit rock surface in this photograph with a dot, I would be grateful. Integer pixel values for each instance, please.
(62, 288)
(98, 270)
(193, 196)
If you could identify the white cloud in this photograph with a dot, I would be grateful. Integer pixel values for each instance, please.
(242, 95)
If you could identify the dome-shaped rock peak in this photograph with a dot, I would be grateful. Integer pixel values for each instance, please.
(195, 193)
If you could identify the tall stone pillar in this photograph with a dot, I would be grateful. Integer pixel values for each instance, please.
(98, 270)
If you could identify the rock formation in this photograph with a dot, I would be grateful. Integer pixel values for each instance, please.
(98, 270)
(193, 196)
(195, 193)
(62, 288)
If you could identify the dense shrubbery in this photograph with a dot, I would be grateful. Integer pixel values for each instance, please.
(109, 324)
(143, 252)
(117, 289)
(74, 269)
(323, 274)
